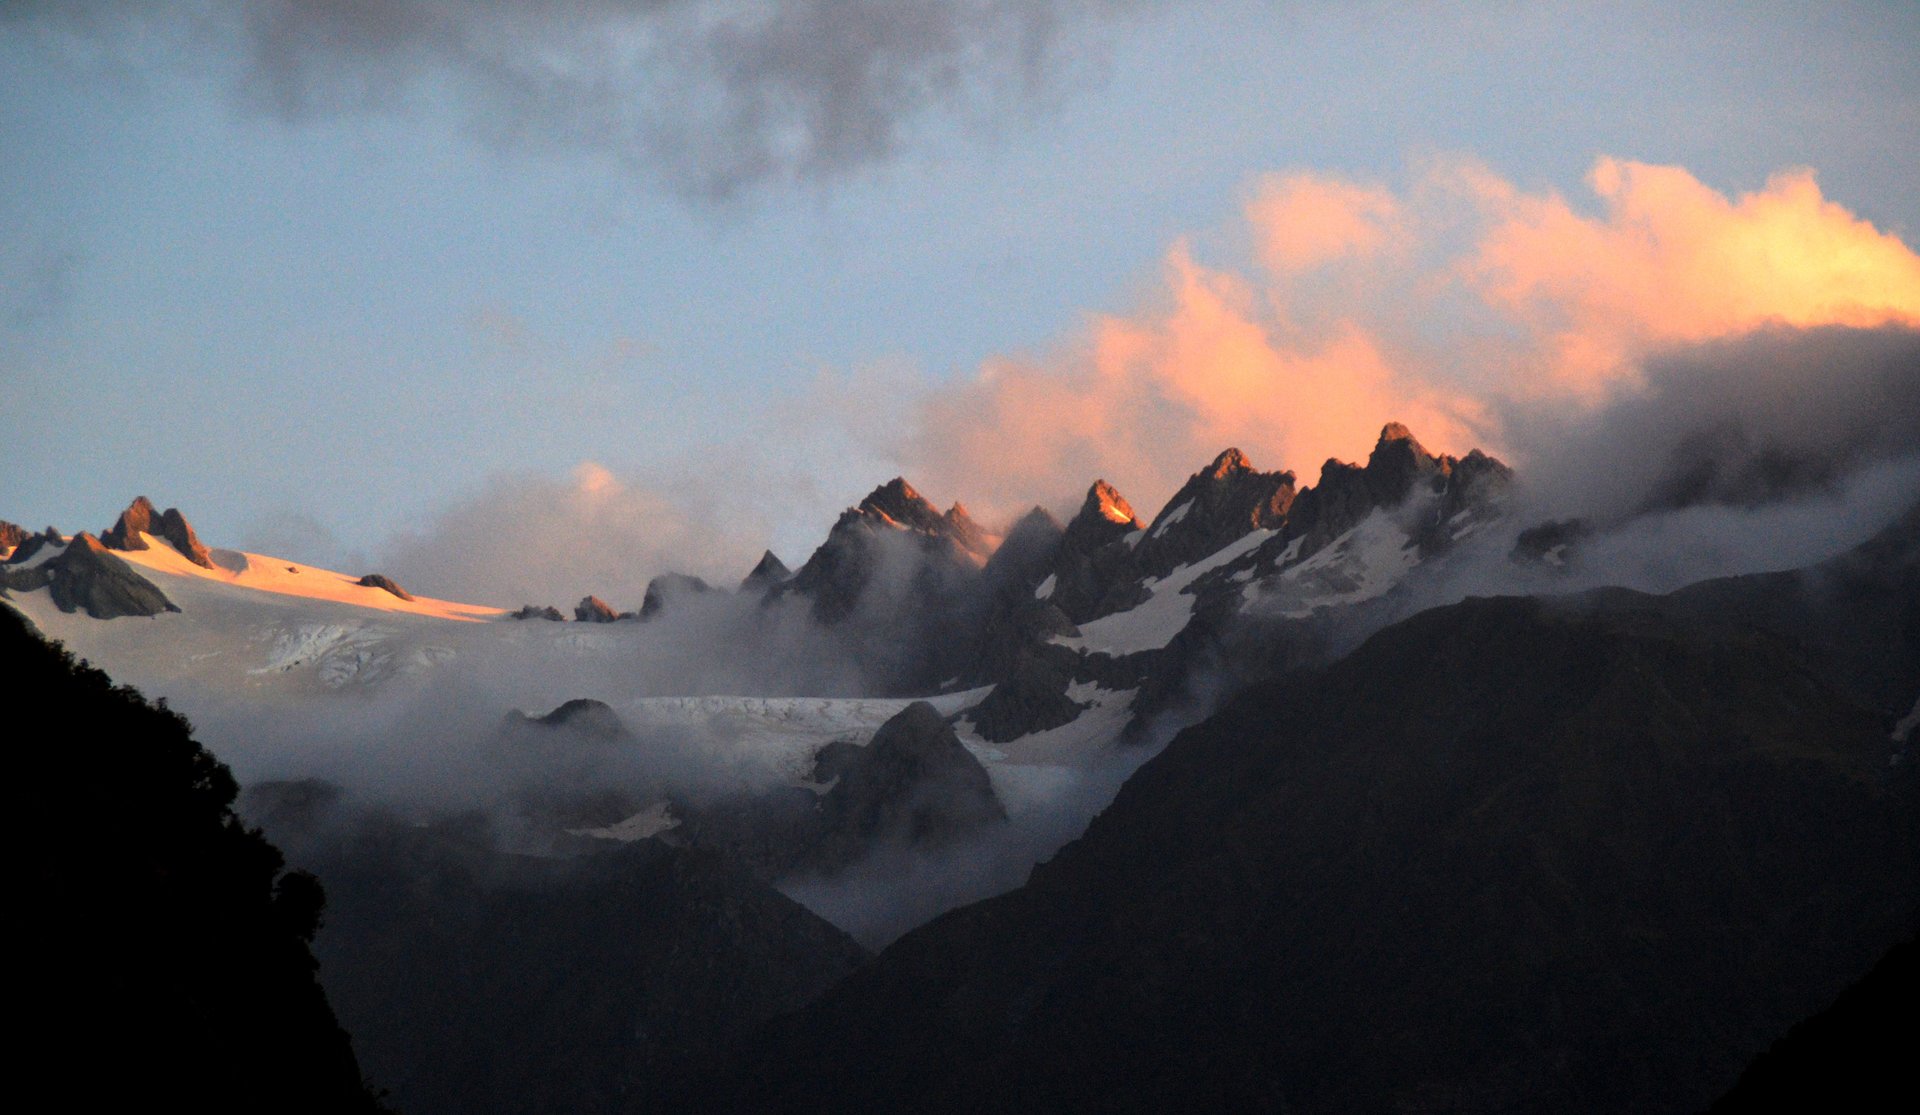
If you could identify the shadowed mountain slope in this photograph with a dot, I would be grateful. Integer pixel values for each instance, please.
(1580, 854)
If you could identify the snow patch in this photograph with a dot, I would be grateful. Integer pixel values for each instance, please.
(279, 577)
(42, 556)
(1171, 518)
(1154, 622)
(1361, 564)
(1903, 731)
(1046, 588)
(651, 821)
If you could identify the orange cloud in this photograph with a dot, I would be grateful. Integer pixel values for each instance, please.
(1441, 307)
(1672, 260)
(1302, 221)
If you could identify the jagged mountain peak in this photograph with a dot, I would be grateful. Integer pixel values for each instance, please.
(1036, 520)
(1396, 431)
(964, 530)
(768, 571)
(141, 518)
(1229, 461)
(898, 502)
(1104, 501)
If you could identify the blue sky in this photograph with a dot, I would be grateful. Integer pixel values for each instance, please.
(368, 310)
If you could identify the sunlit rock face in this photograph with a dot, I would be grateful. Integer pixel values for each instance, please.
(85, 576)
(592, 609)
(141, 518)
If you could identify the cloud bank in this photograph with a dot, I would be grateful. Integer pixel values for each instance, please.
(547, 540)
(1478, 312)
(711, 97)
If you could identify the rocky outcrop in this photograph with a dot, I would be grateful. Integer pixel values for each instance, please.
(31, 546)
(913, 785)
(668, 587)
(767, 572)
(1093, 558)
(592, 609)
(582, 714)
(1216, 505)
(170, 525)
(86, 576)
(841, 569)
(11, 535)
(1398, 469)
(384, 583)
(538, 611)
(1026, 555)
(1550, 543)
(1032, 697)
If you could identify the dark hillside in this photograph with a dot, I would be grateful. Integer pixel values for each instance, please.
(165, 953)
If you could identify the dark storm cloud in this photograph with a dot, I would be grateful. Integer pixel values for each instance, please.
(709, 96)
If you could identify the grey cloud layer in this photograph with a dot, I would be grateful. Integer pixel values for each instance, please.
(710, 96)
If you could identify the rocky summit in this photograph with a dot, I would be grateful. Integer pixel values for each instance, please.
(170, 525)
(385, 584)
(86, 576)
(592, 609)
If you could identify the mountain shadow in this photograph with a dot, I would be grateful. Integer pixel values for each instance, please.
(1572, 854)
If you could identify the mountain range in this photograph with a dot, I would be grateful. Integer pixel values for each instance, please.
(1351, 795)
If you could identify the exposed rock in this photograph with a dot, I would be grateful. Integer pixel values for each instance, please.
(592, 609)
(86, 576)
(141, 518)
(969, 535)
(382, 581)
(1032, 698)
(12, 534)
(1104, 516)
(768, 572)
(1026, 555)
(1022, 628)
(582, 714)
(912, 575)
(667, 587)
(1092, 557)
(1398, 469)
(33, 544)
(839, 571)
(1216, 505)
(834, 760)
(537, 611)
(1550, 543)
(915, 784)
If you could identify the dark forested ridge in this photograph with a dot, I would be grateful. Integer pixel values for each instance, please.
(165, 957)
